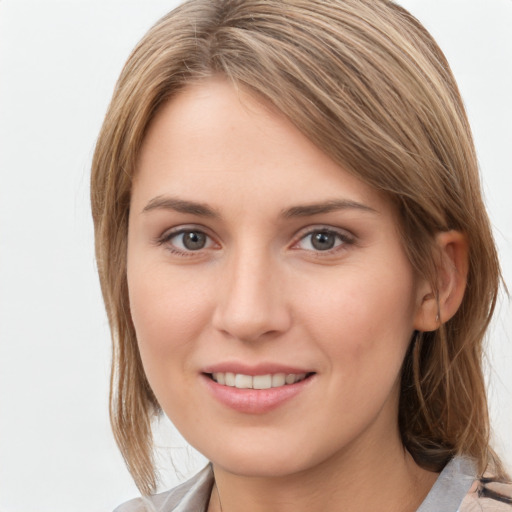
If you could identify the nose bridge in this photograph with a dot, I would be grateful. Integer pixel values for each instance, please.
(251, 302)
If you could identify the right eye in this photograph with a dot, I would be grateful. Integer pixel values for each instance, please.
(187, 240)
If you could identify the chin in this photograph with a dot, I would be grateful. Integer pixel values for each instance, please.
(271, 461)
(259, 467)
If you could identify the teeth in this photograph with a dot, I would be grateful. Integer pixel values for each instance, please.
(268, 381)
(262, 381)
(243, 381)
(278, 379)
(290, 378)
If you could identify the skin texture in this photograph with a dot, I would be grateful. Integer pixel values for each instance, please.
(259, 292)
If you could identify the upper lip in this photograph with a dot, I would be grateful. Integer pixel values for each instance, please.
(258, 369)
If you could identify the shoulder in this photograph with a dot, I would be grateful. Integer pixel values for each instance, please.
(190, 496)
(488, 495)
(458, 489)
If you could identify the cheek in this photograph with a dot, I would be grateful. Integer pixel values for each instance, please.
(168, 321)
(166, 316)
(364, 315)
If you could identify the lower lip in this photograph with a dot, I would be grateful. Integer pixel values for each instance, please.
(255, 401)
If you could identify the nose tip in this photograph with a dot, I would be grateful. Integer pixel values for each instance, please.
(251, 305)
(245, 328)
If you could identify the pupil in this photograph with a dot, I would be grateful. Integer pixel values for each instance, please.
(323, 241)
(194, 240)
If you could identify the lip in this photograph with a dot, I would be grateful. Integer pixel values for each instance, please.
(259, 369)
(254, 401)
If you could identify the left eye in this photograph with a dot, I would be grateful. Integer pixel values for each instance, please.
(322, 240)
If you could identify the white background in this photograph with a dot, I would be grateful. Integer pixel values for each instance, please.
(58, 64)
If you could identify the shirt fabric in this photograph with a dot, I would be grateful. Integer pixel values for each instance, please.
(457, 489)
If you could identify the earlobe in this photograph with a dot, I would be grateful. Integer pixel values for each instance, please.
(438, 306)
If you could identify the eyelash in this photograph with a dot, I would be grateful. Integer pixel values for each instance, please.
(167, 237)
(343, 239)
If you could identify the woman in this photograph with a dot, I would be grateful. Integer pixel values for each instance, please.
(296, 261)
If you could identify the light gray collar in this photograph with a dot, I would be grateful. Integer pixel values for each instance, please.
(451, 486)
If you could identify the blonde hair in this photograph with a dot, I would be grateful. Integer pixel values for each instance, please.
(367, 83)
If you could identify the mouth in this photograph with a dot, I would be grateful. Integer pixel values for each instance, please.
(267, 381)
(256, 390)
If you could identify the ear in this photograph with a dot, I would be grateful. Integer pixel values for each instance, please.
(452, 271)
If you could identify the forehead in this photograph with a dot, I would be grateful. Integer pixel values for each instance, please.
(215, 143)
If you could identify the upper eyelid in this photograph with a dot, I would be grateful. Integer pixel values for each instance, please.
(296, 238)
(166, 241)
(169, 232)
(347, 239)
(308, 230)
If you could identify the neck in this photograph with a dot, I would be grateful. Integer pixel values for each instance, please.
(384, 477)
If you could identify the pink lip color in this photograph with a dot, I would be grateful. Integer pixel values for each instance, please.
(254, 401)
(259, 369)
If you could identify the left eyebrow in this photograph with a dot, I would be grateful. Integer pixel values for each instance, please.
(325, 207)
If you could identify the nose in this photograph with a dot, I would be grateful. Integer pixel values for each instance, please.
(251, 302)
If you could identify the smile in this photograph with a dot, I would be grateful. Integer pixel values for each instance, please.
(241, 381)
(258, 393)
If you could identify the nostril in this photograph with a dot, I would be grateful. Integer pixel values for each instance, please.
(250, 306)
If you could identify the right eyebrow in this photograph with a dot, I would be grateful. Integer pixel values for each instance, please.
(181, 206)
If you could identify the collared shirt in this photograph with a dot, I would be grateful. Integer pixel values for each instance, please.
(457, 489)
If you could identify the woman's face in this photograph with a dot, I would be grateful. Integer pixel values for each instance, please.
(272, 299)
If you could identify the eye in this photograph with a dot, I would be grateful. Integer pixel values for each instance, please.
(187, 240)
(323, 240)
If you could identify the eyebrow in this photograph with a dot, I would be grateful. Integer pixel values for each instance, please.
(325, 207)
(204, 210)
(181, 206)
